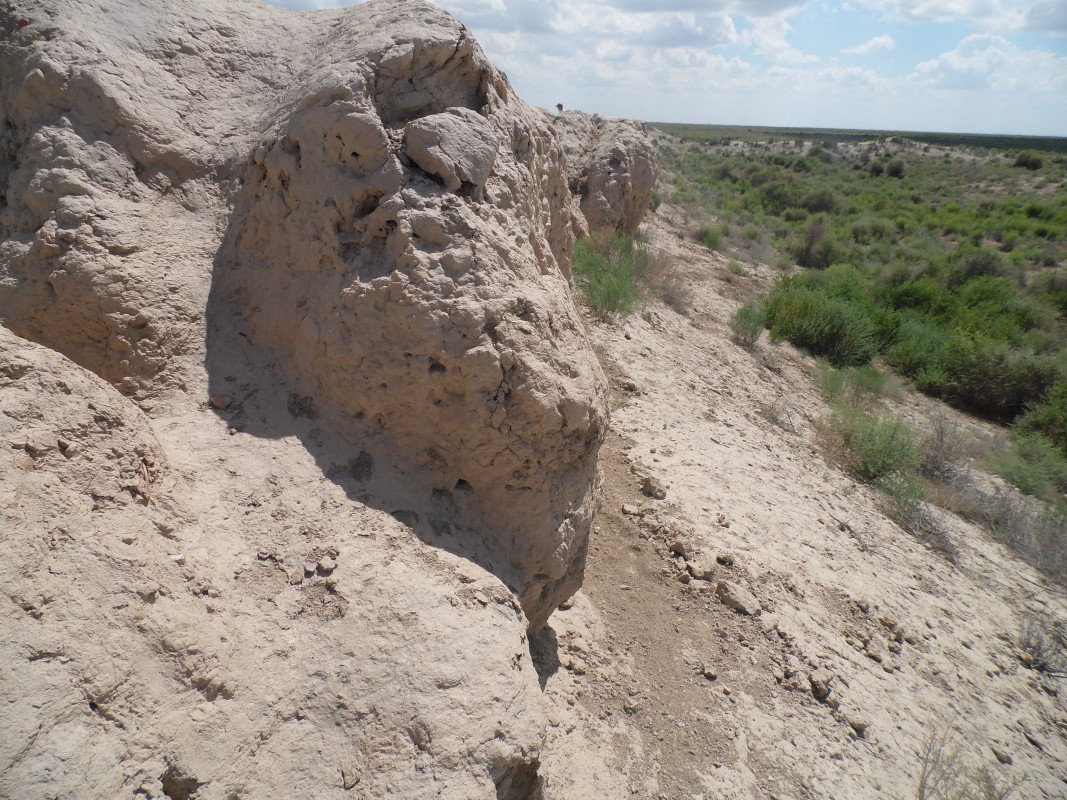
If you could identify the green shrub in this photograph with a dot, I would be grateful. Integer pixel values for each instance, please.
(821, 201)
(655, 201)
(991, 377)
(747, 325)
(895, 168)
(1029, 160)
(613, 274)
(854, 386)
(836, 328)
(815, 247)
(1033, 464)
(883, 445)
(710, 236)
(1049, 418)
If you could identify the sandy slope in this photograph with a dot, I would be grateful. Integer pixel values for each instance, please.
(908, 643)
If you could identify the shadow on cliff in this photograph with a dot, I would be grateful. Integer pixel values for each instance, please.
(249, 391)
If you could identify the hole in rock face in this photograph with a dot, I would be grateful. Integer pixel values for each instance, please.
(177, 785)
(463, 486)
(519, 781)
(437, 367)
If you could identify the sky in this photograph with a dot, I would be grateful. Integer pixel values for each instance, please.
(959, 66)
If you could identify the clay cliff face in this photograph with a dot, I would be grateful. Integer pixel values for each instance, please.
(397, 247)
(300, 420)
(611, 169)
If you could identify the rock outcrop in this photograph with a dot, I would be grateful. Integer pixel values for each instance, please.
(398, 251)
(611, 167)
(300, 421)
(156, 646)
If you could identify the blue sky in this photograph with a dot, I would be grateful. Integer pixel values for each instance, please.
(972, 66)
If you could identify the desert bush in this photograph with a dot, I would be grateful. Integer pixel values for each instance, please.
(945, 452)
(747, 324)
(895, 168)
(882, 445)
(814, 247)
(855, 386)
(1042, 645)
(735, 267)
(943, 774)
(1038, 534)
(613, 273)
(974, 371)
(778, 412)
(710, 236)
(655, 201)
(1048, 418)
(876, 169)
(1034, 464)
(904, 500)
(819, 201)
(1029, 160)
(836, 328)
(674, 290)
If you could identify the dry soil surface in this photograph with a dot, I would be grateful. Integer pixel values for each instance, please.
(763, 629)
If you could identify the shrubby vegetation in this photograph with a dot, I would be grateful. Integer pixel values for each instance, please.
(946, 264)
(613, 273)
(618, 274)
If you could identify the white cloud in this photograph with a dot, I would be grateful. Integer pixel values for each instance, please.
(879, 44)
(741, 62)
(1043, 16)
(987, 62)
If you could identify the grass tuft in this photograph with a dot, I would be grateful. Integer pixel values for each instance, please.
(747, 324)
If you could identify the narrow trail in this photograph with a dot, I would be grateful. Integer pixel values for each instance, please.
(858, 641)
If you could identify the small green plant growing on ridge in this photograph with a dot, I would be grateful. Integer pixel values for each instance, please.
(747, 325)
(613, 273)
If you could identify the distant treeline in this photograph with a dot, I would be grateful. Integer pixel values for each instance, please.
(721, 134)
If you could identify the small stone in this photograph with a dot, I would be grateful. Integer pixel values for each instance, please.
(129, 539)
(221, 401)
(178, 559)
(708, 671)
(702, 569)
(876, 650)
(1002, 757)
(630, 510)
(631, 705)
(820, 681)
(327, 565)
(575, 665)
(738, 598)
(309, 567)
(350, 776)
(654, 488)
(480, 597)
(726, 559)
(296, 577)
(857, 722)
(629, 385)
(682, 546)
